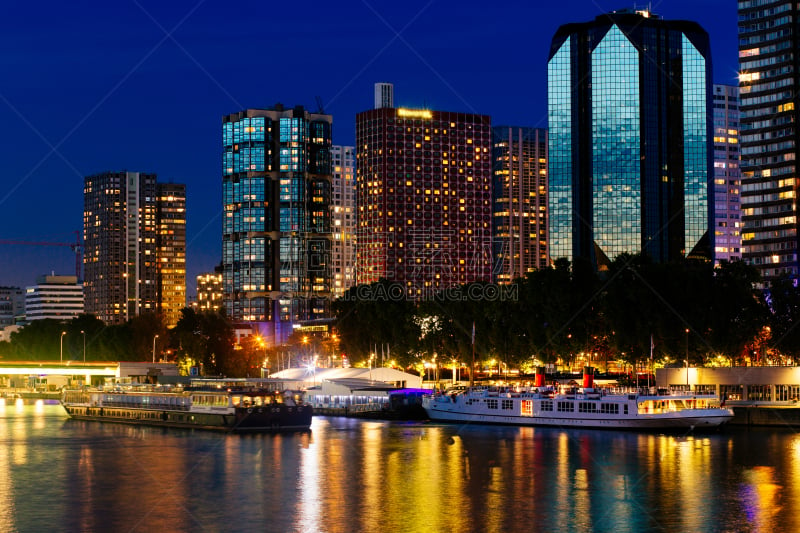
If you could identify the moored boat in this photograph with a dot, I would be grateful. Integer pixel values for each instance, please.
(640, 409)
(228, 409)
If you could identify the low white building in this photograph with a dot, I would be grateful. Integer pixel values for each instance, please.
(56, 297)
(345, 387)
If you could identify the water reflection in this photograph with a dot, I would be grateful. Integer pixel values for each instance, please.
(350, 475)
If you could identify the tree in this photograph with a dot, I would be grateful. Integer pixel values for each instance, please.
(373, 315)
(784, 303)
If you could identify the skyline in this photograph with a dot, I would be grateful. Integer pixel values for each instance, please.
(143, 87)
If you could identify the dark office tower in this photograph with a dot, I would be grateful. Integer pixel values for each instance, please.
(769, 78)
(119, 232)
(519, 189)
(424, 199)
(727, 174)
(629, 123)
(171, 250)
(276, 188)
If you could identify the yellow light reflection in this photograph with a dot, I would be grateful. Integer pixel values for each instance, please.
(761, 498)
(7, 510)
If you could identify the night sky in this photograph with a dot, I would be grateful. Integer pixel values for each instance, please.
(142, 85)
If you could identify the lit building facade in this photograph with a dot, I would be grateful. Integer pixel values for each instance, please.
(519, 168)
(134, 232)
(119, 233)
(171, 250)
(12, 305)
(276, 188)
(727, 174)
(209, 291)
(343, 219)
(54, 297)
(629, 123)
(424, 198)
(769, 78)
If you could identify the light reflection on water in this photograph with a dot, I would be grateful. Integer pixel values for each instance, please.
(351, 475)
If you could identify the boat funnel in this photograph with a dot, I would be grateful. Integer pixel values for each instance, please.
(539, 377)
(588, 377)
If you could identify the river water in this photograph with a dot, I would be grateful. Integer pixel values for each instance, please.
(353, 475)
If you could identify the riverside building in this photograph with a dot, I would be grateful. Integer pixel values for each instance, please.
(276, 247)
(54, 297)
(769, 78)
(629, 124)
(424, 198)
(134, 246)
(519, 168)
(727, 175)
(343, 219)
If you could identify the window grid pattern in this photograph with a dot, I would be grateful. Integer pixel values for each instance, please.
(424, 199)
(695, 145)
(519, 168)
(769, 65)
(559, 115)
(276, 224)
(615, 145)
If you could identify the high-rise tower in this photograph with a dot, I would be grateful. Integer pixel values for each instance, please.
(727, 174)
(629, 123)
(276, 187)
(769, 78)
(343, 219)
(424, 198)
(171, 250)
(122, 228)
(519, 161)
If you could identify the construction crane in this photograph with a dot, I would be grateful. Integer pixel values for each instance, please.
(76, 247)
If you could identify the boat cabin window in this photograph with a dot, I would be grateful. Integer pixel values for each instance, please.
(759, 393)
(210, 400)
(785, 393)
(731, 392)
(565, 407)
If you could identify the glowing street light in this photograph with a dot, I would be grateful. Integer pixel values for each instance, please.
(61, 357)
(154, 348)
(687, 358)
(84, 345)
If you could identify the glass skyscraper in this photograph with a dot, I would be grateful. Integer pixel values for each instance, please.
(629, 122)
(276, 186)
(769, 65)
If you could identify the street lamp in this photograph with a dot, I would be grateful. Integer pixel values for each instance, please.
(61, 357)
(263, 344)
(84, 345)
(687, 358)
(154, 348)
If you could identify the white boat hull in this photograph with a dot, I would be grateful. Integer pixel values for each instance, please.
(622, 411)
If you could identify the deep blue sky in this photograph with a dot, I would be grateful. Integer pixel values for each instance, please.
(142, 85)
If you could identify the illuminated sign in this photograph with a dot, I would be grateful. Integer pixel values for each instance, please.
(414, 113)
(311, 328)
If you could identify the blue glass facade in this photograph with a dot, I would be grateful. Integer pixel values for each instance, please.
(559, 111)
(697, 177)
(616, 195)
(629, 100)
(276, 230)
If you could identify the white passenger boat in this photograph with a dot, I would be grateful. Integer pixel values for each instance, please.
(642, 409)
(226, 409)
